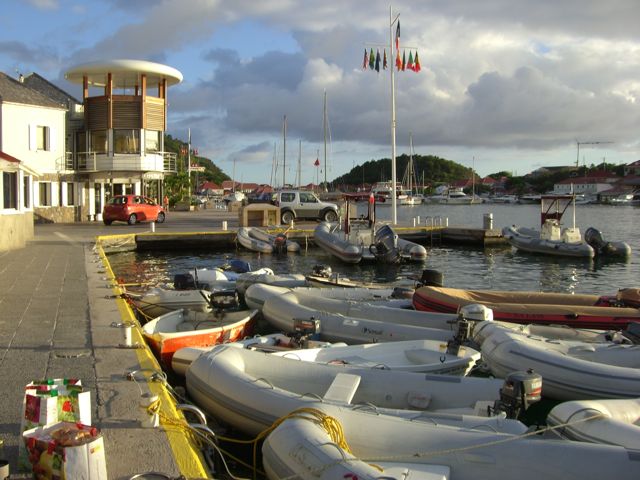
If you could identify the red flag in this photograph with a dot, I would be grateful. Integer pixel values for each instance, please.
(365, 62)
(316, 163)
(398, 37)
(410, 62)
(384, 60)
(404, 60)
(416, 64)
(398, 61)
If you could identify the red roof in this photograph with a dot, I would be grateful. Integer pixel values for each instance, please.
(8, 158)
(209, 186)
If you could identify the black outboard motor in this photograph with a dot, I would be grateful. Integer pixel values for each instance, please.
(460, 338)
(322, 271)
(594, 238)
(431, 278)
(237, 266)
(224, 300)
(385, 246)
(519, 392)
(186, 281)
(280, 243)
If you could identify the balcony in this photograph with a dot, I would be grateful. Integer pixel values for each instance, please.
(95, 162)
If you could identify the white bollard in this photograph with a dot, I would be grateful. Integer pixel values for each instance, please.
(414, 221)
(151, 419)
(224, 225)
(127, 334)
(153, 227)
(418, 217)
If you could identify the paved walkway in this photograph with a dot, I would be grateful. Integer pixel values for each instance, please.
(56, 314)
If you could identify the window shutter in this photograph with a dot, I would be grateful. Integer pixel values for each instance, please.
(52, 140)
(33, 131)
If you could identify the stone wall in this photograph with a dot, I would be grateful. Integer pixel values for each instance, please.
(15, 230)
(58, 215)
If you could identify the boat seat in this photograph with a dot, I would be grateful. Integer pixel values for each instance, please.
(343, 388)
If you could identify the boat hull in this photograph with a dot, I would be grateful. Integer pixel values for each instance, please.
(529, 307)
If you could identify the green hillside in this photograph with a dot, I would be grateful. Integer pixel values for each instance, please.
(211, 171)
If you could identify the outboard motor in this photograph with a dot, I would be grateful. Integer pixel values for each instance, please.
(322, 271)
(280, 243)
(460, 338)
(237, 266)
(519, 392)
(431, 278)
(594, 238)
(384, 246)
(186, 281)
(224, 300)
(304, 328)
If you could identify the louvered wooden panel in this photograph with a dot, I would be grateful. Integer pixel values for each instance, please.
(126, 112)
(96, 113)
(155, 114)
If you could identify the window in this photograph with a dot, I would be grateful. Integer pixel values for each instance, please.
(71, 193)
(26, 187)
(44, 188)
(287, 197)
(98, 141)
(126, 141)
(307, 197)
(151, 141)
(41, 138)
(10, 189)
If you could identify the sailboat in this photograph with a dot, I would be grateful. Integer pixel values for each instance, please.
(407, 196)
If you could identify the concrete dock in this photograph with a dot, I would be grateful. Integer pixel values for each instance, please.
(61, 317)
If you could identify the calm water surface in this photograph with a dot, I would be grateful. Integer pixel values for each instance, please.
(498, 268)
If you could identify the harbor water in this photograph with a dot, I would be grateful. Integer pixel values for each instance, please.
(497, 268)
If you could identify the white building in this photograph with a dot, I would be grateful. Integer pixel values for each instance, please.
(32, 129)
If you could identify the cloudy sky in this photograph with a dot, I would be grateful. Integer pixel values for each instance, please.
(505, 84)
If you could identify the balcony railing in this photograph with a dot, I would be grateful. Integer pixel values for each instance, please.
(93, 162)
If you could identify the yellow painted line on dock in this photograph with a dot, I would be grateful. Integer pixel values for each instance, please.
(186, 453)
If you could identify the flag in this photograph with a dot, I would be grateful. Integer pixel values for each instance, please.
(398, 61)
(317, 162)
(398, 38)
(404, 60)
(416, 64)
(384, 61)
(378, 61)
(366, 60)
(410, 62)
(372, 60)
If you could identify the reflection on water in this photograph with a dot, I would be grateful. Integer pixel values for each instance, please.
(497, 268)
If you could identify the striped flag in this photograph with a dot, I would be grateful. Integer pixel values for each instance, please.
(398, 38)
(366, 60)
(416, 64)
(410, 62)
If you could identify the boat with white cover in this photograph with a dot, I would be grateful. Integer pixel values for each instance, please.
(251, 389)
(379, 446)
(259, 240)
(612, 422)
(571, 370)
(426, 356)
(157, 301)
(272, 342)
(282, 280)
(256, 294)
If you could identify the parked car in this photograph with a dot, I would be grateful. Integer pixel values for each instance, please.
(300, 204)
(132, 209)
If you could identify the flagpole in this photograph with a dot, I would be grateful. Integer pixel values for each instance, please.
(394, 215)
(189, 163)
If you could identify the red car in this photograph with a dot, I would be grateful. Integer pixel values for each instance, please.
(132, 209)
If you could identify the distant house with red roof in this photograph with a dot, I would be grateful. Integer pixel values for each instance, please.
(632, 168)
(210, 189)
(591, 184)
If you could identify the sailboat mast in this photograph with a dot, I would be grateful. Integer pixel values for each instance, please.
(324, 128)
(284, 152)
(300, 164)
